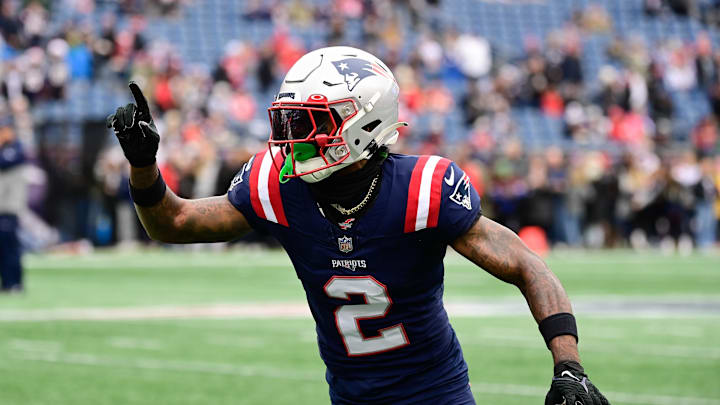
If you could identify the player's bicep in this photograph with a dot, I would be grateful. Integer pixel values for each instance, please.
(212, 219)
(496, 249)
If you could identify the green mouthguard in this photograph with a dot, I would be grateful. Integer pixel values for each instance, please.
(301, 152)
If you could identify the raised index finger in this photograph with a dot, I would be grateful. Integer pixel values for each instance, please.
(140, 100)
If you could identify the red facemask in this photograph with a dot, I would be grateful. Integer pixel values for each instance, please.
(316, 122)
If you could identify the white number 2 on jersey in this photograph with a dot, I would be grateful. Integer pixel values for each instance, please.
(377, 304)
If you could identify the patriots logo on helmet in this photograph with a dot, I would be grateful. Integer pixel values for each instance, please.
(356, 69)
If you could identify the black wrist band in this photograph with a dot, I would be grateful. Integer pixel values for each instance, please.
(147, 197)
(557, 325)
(142, 162)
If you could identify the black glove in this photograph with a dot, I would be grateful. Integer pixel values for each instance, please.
(135, 130)
(570, 386)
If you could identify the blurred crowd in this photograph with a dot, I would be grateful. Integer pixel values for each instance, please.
(623, 174)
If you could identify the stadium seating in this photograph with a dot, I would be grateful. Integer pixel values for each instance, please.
(204, 27)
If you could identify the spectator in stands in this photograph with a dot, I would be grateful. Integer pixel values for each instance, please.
(103, 46)
(565, 223)
(79, 57)
(509, 178)
(13, 189)
(593, 19)
(601, 200)
(537, 80)
(551, 102)
(571, 67)
(10, 25)
(266, 74)
(629, 127)
(682, 177)
(659, 99)
(705, 136)
(684, 7)
(536, 208)
(653, 7)
(680, 74)
(111, 172)
(706, 195)
(34, 18)
(258, 10)
(166, 7)
(705, 63)
(472, 55)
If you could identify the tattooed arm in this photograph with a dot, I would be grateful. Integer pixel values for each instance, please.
(177, 220)
(501, 253)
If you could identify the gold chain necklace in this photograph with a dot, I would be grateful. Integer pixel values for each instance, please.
(362, 203)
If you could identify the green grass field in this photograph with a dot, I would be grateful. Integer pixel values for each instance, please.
(154, 328)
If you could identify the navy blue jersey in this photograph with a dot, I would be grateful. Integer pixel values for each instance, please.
(374, 284)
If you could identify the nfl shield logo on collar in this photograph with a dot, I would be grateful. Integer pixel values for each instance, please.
(345, 244)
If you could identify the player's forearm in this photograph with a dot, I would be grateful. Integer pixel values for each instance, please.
(178, 220)
(546, 296)
(541, 288)
(159, 220)
(501, 253)
(564, 348)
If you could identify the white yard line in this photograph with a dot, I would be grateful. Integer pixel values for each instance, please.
(28, 345)
(245, 342)
(316, 375)
(648, 308)
(147, 363)
(254, 310)
(129, 342)
(695, 353)
(621, 309)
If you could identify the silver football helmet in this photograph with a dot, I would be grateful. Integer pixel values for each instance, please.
(341, 100)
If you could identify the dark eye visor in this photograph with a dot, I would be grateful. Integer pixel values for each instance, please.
(299, 123)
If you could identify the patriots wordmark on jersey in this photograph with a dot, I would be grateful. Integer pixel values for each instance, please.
(374, 285)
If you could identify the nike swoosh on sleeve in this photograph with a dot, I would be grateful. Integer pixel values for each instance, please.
(450, 180)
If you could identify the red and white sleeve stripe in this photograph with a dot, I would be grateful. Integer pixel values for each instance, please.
(265, 187)
(423, 206)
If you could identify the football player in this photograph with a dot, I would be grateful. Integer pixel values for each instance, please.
(366, 231)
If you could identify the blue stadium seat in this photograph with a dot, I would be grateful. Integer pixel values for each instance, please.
(204, 27)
